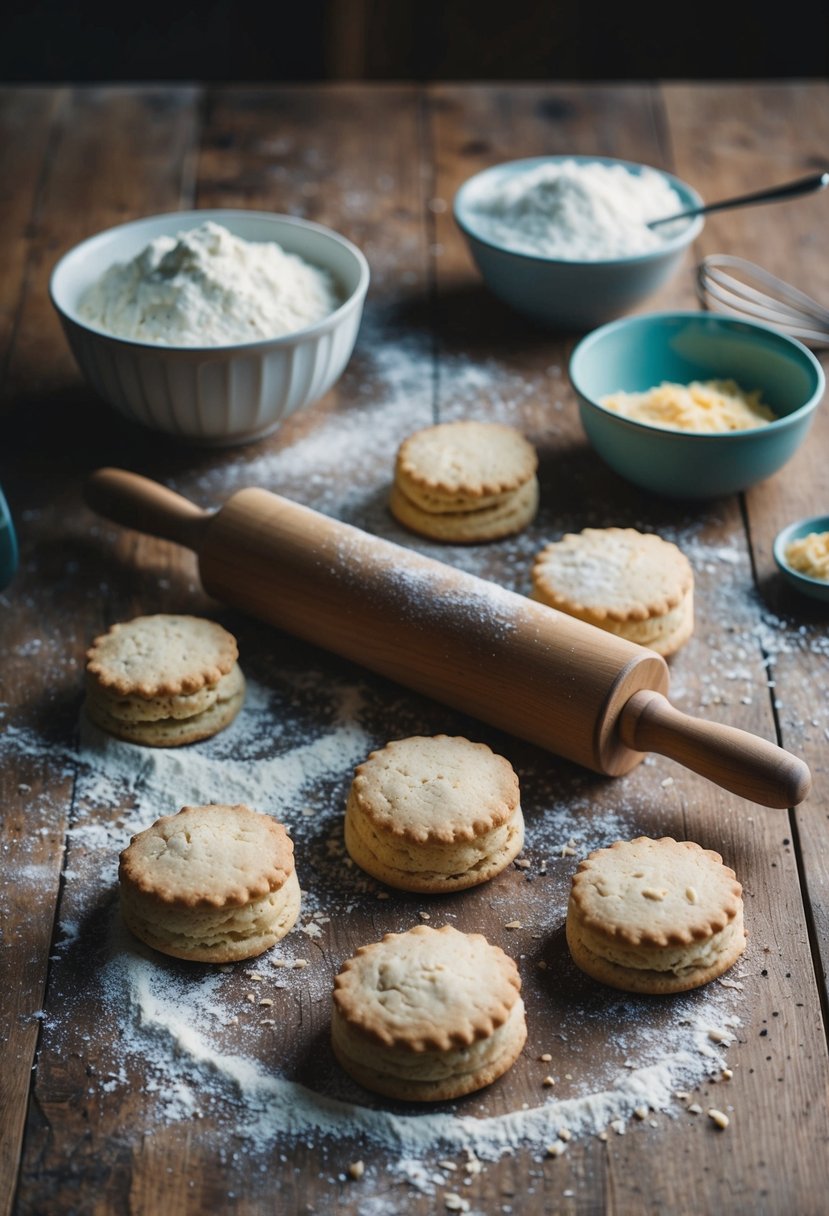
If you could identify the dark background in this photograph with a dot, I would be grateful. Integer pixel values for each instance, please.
(317, 40)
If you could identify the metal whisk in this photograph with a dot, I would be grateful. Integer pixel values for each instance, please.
(734, 285)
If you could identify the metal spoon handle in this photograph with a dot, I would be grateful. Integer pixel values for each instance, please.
(803, 185)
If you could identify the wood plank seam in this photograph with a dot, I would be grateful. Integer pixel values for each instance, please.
(428, 150)
(190, 161)
(52, 141)
(797, 844)
(46, 982)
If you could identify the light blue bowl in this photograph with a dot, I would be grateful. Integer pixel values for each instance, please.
(638, 353)
(817, 588)
(9, 553)
(567, 295)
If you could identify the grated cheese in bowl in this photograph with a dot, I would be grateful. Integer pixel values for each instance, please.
(809, 555)
(703, 406)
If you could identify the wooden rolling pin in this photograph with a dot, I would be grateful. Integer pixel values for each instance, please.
(503, 658)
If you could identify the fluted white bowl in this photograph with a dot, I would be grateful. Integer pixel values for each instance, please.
(215, 395)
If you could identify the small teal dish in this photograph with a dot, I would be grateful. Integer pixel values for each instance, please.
(817, 588)
(8, 545)
(638, 353)
(570, 295)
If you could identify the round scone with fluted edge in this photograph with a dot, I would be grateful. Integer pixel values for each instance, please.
(655, 916)
(634, 584)
(164, 680)
(434, 813)
(428, 1015)
(213, 884)
(465, 482)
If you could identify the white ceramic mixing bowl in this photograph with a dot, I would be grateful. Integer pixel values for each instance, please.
(221, 394)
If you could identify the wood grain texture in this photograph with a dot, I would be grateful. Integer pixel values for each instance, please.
(755, 146)
(49, 134)
(642, 126)
(381, 165)
(26, 123)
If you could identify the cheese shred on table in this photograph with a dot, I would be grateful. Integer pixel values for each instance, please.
(704, 406)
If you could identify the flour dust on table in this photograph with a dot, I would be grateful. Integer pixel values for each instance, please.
(225, 1046)
(243, 1049)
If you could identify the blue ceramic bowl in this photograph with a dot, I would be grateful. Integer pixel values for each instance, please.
(638, 353)
(817, 588)
(8, 544)
(567, 295)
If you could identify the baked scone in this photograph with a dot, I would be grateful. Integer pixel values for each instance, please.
(434, 814)
(634, 584)
(655, 916)
(428, 1015)
(465, 482)
(164, 680)
(213, 883)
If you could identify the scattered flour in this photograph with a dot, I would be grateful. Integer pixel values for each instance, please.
(203, 1050)
(274, 1106)
(206, 1048)
(576, 211)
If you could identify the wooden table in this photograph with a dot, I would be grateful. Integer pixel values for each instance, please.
(105, 1108)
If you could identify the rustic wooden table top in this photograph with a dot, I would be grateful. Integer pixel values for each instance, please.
(131, 1083)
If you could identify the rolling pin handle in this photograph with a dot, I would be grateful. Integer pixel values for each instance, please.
(736, 760)
(136, 502)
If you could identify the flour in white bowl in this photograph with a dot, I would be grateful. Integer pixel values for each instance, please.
(579, 211)
(207, 287)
